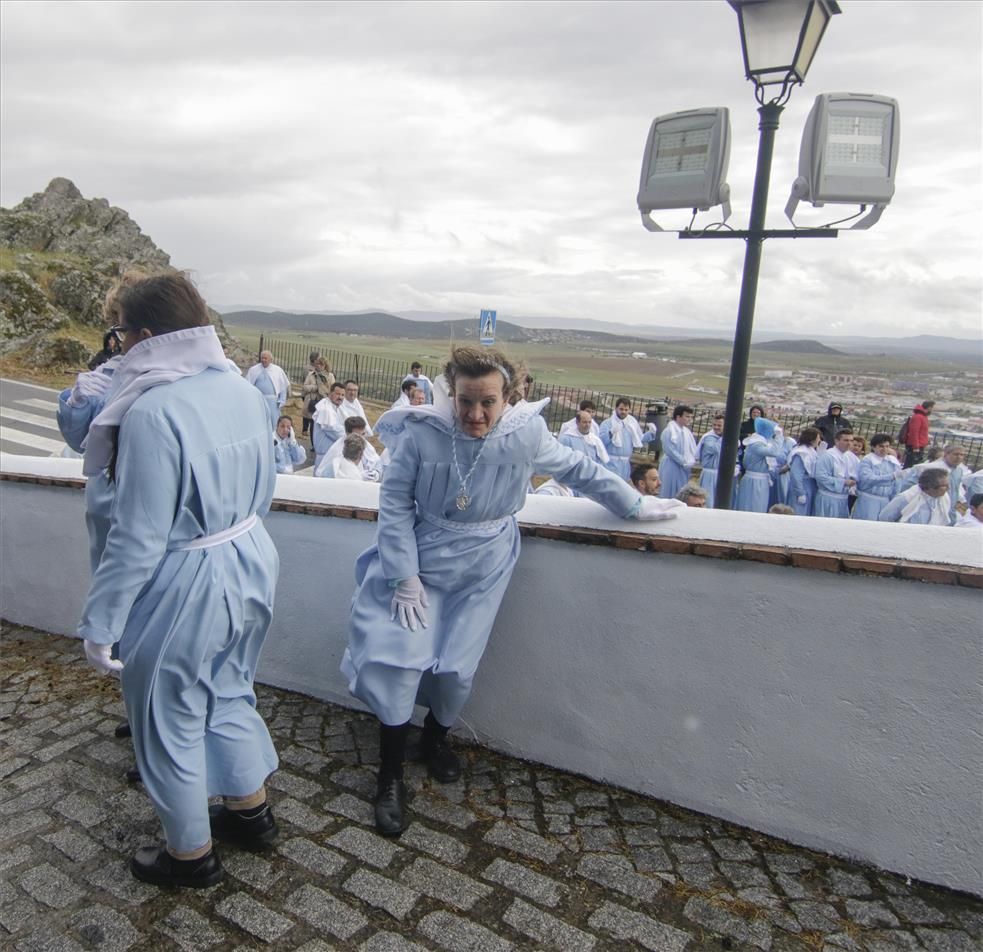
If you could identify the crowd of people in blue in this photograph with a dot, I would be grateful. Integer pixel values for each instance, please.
(825, 470)
(181, 453)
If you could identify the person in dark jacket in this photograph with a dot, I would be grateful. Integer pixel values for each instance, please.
(832, 423)
(747, 428)
(110, 348)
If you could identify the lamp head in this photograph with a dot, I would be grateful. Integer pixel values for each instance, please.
(779, 38)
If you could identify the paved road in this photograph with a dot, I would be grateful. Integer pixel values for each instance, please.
(514, 856)
(27, 419)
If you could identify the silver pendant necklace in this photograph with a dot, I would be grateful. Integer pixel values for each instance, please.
(463, 499)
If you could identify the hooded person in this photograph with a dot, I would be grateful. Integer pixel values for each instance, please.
(831, 424)
(761, 449)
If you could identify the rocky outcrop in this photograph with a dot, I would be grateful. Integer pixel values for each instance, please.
(60, 219)
(64, 254)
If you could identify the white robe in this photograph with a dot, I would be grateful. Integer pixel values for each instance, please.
(350, 408)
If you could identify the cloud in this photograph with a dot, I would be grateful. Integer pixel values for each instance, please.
(455, 155)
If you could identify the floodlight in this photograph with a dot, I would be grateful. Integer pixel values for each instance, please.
(779, 38)
(849, 154)
(685, 163)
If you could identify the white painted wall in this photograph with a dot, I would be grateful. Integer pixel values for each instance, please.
(839, 712)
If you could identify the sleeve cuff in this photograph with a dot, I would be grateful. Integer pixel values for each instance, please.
(98, 636)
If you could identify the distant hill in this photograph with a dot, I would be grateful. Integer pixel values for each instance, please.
(798, 347)
(381, 324)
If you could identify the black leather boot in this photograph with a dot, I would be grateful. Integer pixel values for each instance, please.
(390, 795)
(123, 729)
(435, 751)
(154, 864)
(250, 829)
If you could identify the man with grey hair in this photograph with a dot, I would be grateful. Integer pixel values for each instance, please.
(272, 382)
(951, 462)
(695, 497)
(925, 504)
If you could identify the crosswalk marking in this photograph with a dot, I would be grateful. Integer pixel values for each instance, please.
(12, 416)
(32, 442)
(49, 405)
(29, 386)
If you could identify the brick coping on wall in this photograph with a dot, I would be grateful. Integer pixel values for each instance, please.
(941, 574)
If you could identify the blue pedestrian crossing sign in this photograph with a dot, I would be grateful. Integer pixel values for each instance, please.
(486, 326)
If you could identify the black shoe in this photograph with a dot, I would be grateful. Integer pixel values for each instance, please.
(442, 763)
(390, 807)
(155, 865)
(251, 833)
(123, 730)
(133, 775)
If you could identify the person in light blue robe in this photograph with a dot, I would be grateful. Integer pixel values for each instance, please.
(708, 456)
(952, 459)
(446, 547)
(833, 480)
(622, 435)
(272, 382)
(780, 474)
(287, 452)
(186, 580)
(878, 478)
(583, 440)
(802, 472)
(760, 451)
(329, 422)
(77, 408)
(926, 503)
(678, 452)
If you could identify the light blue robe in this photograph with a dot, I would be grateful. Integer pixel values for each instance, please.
(779, 489)
(877, 483)
(674, 467)
(956, 477)
(892, 512)
(463, 558)
(974, 484)
(264, 384)
(74, 425)
(832, 499)
(754, 491)
(576, 442)
(424, 383)
(287, 454)
(326, 436)
(195, 458)
(708, 453)
(801, 488)
(620, 456)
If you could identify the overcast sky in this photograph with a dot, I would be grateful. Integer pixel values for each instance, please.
(453, 156)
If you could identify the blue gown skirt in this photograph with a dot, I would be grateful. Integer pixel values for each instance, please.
(390, 668)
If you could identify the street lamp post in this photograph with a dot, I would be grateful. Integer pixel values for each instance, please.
(848, 156)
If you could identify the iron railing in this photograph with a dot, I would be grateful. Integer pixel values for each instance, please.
(379, 378)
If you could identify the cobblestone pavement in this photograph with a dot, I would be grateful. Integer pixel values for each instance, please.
(514, 856)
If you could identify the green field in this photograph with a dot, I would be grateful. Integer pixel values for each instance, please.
(668, 370)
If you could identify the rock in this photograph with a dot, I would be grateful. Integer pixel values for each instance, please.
(59, 351)
(61, 219)
(81, 295)
(24, 307)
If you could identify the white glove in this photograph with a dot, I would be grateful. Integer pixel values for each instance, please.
(652, 428)
(656, 510)
(801, 500)
(92, 383)
(409, 600)
(99, 657)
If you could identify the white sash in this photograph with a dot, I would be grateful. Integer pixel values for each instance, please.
(218, 538)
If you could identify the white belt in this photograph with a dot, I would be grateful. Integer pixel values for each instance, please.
(490, 528)
(758, 476)
(832, 495)
(863, 492)
(218, 538)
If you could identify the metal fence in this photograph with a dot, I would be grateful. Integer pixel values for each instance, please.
(379, 378)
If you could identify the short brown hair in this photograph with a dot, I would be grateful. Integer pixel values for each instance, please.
(472, 362)
(161, 303)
